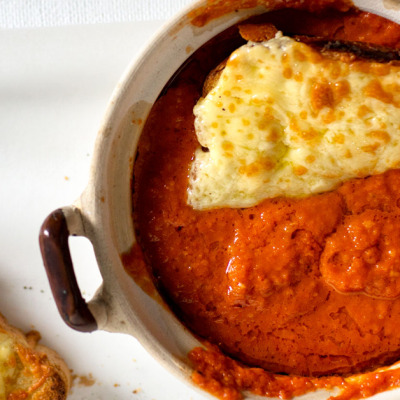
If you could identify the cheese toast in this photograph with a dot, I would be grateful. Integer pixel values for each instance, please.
(29, 370)
(293, 116)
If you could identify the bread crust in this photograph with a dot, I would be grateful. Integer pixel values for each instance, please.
(334, 49)
(48, 375)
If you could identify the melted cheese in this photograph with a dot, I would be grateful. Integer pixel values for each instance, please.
(283, 120)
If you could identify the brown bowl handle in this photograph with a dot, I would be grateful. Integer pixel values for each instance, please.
(53, 240)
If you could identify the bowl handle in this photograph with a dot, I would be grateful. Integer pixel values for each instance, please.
(53, 240)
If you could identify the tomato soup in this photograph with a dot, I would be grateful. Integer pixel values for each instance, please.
(301, 294)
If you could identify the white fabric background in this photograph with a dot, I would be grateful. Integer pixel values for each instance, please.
(45, 13)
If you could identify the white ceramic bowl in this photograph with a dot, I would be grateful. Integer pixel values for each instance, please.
(103, 212)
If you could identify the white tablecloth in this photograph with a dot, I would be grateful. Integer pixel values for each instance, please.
(45, 13)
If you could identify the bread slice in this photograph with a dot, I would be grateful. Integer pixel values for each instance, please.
(28, 370)
(284, 118)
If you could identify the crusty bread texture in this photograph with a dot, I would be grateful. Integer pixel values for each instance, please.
(30, 371)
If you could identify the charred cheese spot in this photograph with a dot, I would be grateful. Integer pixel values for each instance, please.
(309, 124)
(374, 89)
(288, 72)
(363, 110)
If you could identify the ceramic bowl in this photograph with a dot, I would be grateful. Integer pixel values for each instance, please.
(103, 212)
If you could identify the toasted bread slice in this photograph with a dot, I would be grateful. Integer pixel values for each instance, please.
(30, 371)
